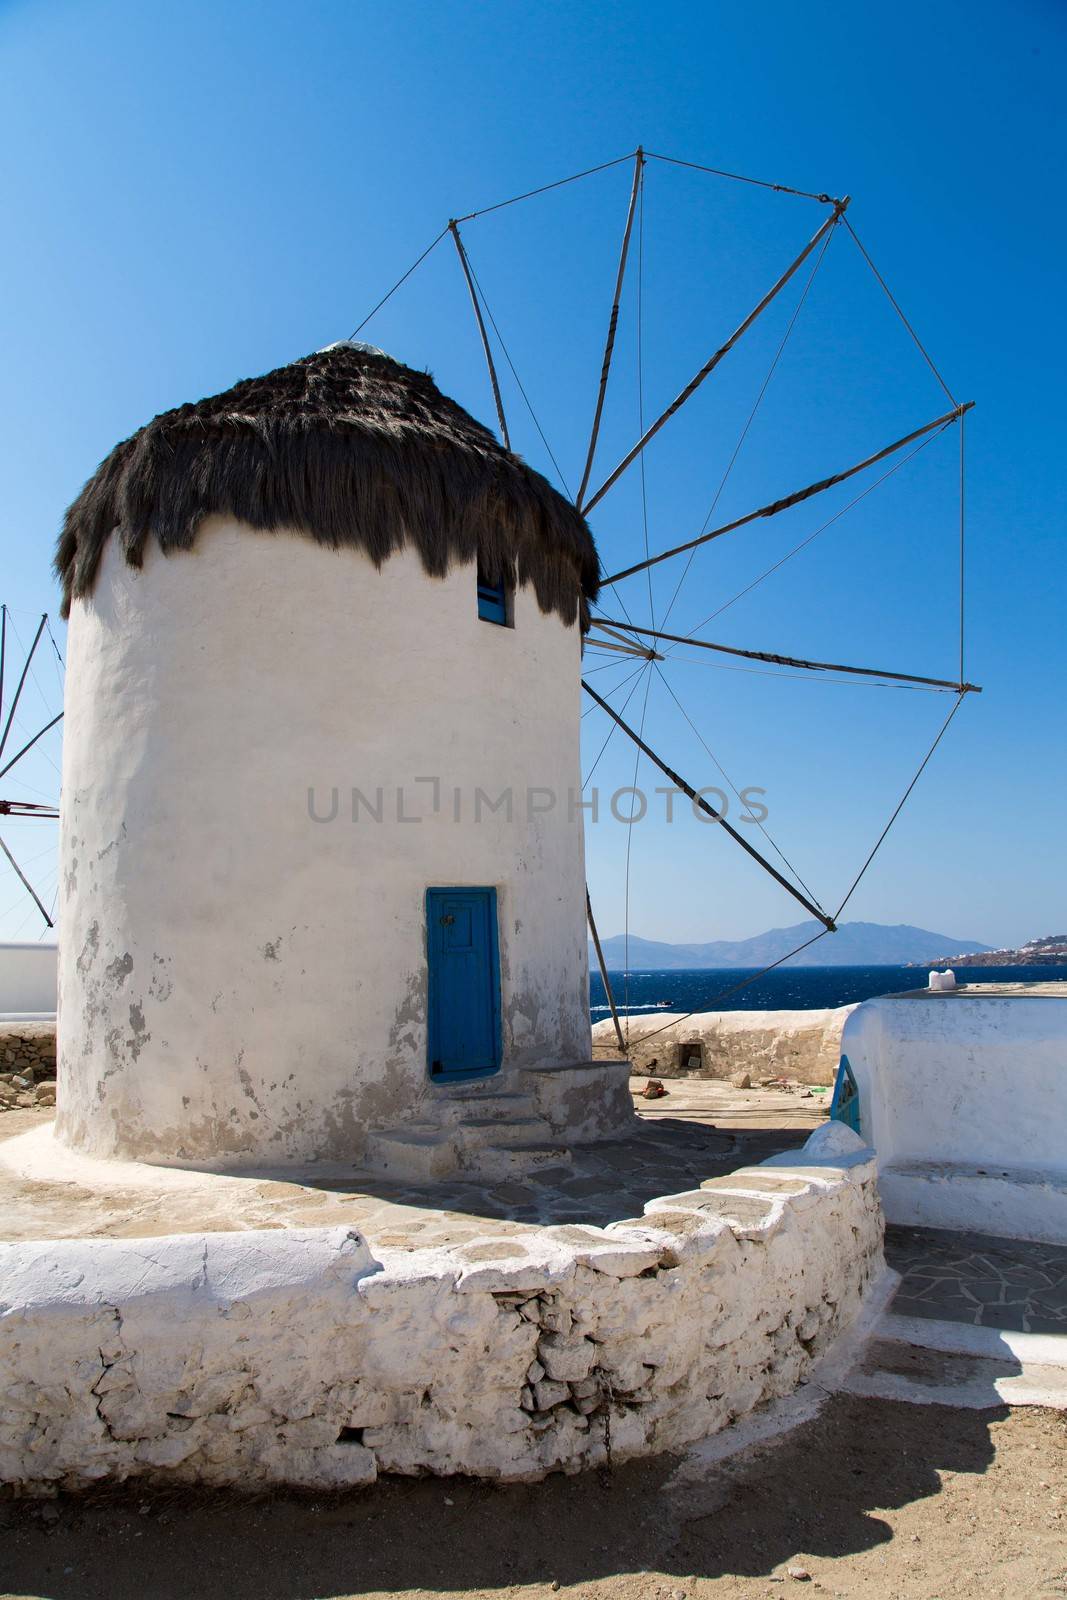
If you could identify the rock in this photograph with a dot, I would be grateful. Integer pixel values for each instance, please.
(45, 1094)
(21, 1081)
(566, 1360)
(526, 1399)
(534, 1372)
(809, 1325)
(799, 1574)
(26, 1100)
(548, 1394)
(556, 1319)
(740, 1080)
(833, 1139)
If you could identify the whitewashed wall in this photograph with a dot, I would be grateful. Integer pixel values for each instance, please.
(298, 1357)
(964, 1097)
(28, 978)
(239, 983)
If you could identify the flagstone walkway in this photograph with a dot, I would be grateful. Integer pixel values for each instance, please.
(699, 1131)
(1013, 1284)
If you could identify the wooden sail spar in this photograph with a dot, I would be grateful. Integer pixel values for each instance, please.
(788, 661)
(799, 496)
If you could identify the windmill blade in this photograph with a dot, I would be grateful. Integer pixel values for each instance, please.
(27, 885)
(22, 679)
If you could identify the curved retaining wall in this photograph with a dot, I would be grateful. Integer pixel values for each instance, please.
(297, 1357)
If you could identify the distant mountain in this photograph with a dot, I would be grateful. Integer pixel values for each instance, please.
(1050, 951)
(855, 944)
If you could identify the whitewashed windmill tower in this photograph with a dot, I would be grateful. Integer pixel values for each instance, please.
(322, 870)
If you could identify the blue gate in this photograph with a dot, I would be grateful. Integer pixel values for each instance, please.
(464, 983)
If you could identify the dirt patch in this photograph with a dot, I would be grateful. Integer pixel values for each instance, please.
(872, 1499)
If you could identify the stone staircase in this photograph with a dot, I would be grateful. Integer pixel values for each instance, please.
(508, 1126)
(484, 1129)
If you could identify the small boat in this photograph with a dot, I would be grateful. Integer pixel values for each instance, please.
(664, 1005)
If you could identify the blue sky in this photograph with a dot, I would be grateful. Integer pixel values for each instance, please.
(195, 194)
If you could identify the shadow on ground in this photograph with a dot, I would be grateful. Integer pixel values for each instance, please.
(824, 1491)
(606, 1182)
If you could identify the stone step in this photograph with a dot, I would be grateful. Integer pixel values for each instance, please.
(480, 1132)
(577, 1069)
(486, 1107)
(419, 1152)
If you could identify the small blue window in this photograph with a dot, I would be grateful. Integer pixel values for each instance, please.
(492, 601)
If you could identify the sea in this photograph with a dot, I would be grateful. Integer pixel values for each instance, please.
(785, 989)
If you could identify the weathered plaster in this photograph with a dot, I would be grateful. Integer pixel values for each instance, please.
(240, 984)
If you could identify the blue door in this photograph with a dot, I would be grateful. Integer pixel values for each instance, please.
(464, 983)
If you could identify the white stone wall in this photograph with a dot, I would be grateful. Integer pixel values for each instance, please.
(286, 1357)
(28, 979)
(964, 1097)
(804, 1045)
(240, 984)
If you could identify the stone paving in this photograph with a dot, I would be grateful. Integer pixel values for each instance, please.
(990, 1282)
(699, 1131)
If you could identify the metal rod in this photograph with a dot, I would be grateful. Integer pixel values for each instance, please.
(723, 350)
(624, 650)
(795, 499)
(30, 744)
(453, 228)
(604, 972)
(631, 646)
(787, 661)
(698, 800)
(22, 680)
(613, 320)
(27, 885)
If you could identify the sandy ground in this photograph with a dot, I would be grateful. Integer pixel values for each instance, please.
(872, 1499)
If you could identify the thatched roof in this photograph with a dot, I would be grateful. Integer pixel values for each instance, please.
(350, 448)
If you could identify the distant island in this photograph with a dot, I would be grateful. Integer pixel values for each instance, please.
(1050, 951)
(855, 944)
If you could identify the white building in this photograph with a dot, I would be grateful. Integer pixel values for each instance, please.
(322, 881)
